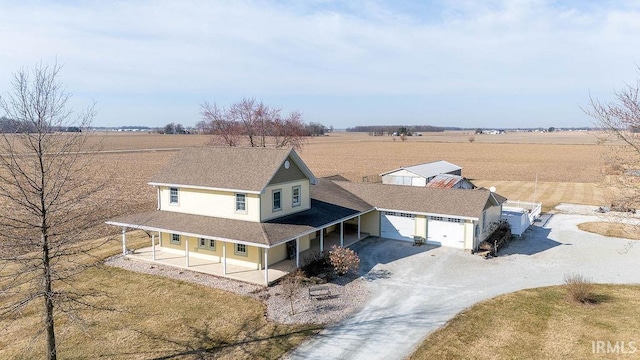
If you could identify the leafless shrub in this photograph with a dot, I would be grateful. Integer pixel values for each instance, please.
(472, 139)
(579, 288)
(291, 287)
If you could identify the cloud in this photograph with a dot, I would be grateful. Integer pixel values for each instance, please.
(209, 50)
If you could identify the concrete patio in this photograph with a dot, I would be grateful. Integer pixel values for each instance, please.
(241, 273)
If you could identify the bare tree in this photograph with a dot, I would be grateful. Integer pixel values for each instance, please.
(252, 123)
(619, 121)
(49, 201)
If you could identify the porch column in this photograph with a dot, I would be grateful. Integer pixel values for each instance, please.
(358, 227)
(297, 252)
(342, 234)
(224, 258)
(266, 266)
(153, 247)
(321, 240)
(124, 240)
(186, 255)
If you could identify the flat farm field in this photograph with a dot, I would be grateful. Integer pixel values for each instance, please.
(568, 165)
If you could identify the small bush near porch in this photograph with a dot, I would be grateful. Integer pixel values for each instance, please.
(328, 264)
(154, 317)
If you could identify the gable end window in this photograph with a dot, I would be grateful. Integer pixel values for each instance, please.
(241, 203)
(173, 196)
(295, 196)
(175, 239)
(241, 249)
(277, 200)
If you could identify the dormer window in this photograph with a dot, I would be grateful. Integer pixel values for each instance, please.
(277, 200)
(295, 196)
(173, 196)
(241, 203)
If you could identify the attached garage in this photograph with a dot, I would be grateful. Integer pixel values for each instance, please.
(397, 225)
(445, 231)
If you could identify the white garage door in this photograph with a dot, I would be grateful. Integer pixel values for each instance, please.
(396, 225)
(446, 231)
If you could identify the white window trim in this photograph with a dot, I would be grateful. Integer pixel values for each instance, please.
(245, 204)
(207, 244)
(273, 200)
(174, 242)
(177, 202)
(238, 252)
(293, 189)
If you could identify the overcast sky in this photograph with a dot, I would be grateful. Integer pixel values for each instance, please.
(341, 63)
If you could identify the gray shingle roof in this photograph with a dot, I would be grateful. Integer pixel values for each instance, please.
(247, 169)
(429, 169)
(455, 202)
(330, 203)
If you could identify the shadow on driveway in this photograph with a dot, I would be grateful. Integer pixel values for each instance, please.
(384, 251)
(534, 240)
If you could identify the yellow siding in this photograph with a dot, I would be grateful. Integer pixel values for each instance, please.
(469, 243)
(305, 243)
(277, 254)
(252, 260)
(166, 242)
(211, 203)
(370, 223)
(421, 226)
(266, 199)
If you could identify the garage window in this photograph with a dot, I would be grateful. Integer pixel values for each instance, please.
(454, 220)
(436, 218)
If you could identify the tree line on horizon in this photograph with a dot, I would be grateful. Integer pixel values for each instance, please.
(400, 129)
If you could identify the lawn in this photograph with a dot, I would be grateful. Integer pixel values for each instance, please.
(540, 323)
(153, 317)
(611, 229)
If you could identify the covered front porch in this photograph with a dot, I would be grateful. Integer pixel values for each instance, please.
(212, 266)
(262, 252)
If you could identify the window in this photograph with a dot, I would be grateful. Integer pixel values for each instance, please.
(241, 249)
(277, 203)
(484, 221)
(295, 196)
(208, 244)
(241, 203)
(175, 239)
(173, 196)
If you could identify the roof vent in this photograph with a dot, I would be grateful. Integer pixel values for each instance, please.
(492, 189)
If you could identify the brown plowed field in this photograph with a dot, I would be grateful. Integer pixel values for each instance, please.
(568, 165)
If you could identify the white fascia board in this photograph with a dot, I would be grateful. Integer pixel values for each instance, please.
(305, 169)
(151, 228)
(204, 188)
(428, 214)
(323, 226)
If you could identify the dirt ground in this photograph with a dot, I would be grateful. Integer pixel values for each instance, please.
(568, 165)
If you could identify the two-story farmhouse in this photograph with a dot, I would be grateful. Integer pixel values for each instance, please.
(245, 213)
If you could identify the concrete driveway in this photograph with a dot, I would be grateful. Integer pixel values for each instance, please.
(415, 290)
